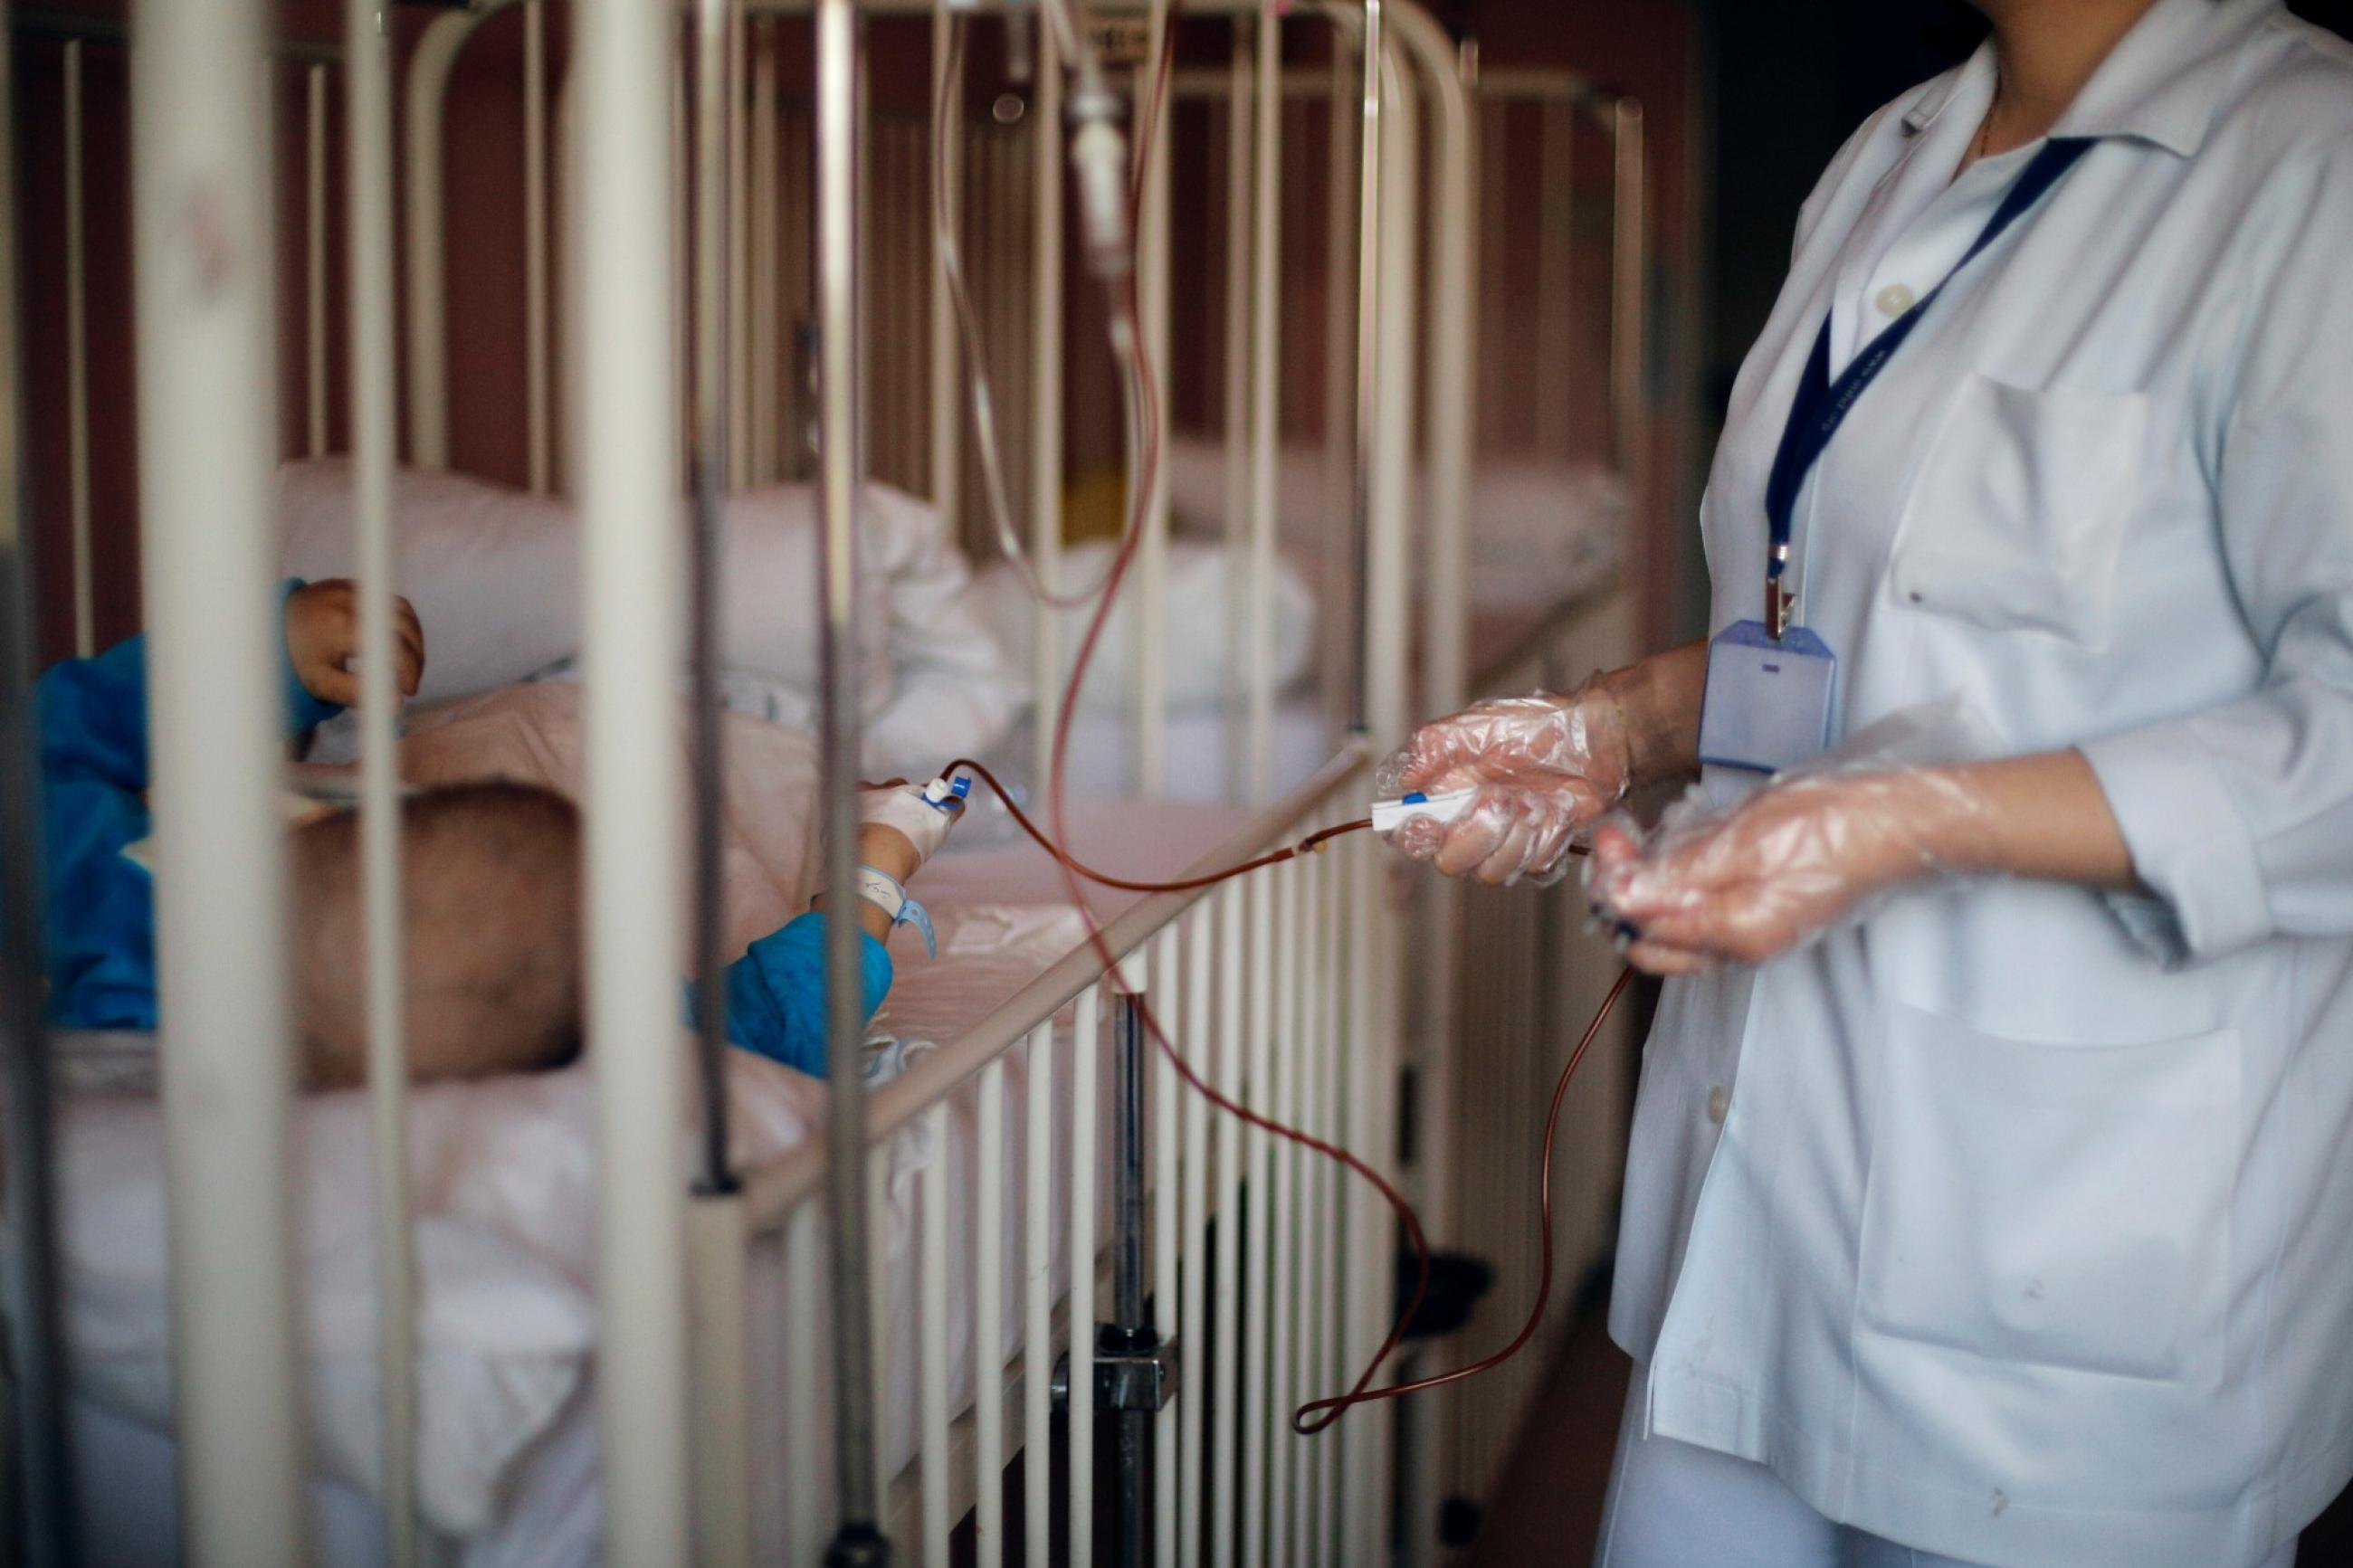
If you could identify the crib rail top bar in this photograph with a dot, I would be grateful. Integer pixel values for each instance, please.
(51, 22)
(770, 1195)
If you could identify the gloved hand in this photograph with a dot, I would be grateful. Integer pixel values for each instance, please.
(1545, 766)
(902, 809)
(1782, 866)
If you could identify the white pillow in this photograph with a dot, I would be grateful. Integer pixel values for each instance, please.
(494, 573)
(1202, 581)
(940, 682)
(495, 576)
(1540, 529)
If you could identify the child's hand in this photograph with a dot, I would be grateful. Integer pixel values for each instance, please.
(909, 827)
(322, 635)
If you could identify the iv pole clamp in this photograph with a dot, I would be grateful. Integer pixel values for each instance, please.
(858, 1542)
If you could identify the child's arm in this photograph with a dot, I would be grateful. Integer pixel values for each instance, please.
(775, 992)
(92, 717)
(93, 711)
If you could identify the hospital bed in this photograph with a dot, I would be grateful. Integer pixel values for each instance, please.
(1285, 985)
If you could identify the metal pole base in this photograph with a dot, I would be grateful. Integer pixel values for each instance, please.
(858, 1546)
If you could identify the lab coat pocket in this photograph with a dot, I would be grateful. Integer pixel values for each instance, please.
(2016, 516)
(2057, 1206)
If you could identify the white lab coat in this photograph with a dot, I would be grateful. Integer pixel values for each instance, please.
(2028, 1236)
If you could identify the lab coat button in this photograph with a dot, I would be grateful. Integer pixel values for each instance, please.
(1893, 299)
(1719, 1104)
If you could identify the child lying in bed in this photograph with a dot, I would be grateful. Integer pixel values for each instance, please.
(490, 874)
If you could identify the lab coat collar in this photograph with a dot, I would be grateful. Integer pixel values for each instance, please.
(2160, 84)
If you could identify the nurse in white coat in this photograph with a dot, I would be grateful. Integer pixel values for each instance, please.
(1990, 1196)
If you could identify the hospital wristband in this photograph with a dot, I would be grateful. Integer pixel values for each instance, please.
(887, 893)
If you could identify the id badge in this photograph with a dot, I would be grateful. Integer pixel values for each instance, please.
(1768, 702)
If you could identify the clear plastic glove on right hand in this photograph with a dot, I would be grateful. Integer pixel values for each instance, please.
(1544, 767)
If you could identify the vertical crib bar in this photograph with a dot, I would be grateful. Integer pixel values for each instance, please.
(932, 1311)
(1371, 1236)
(946, 144)
(629, 468)
(367, 96)
(1627, 283)
(1448, 400)
(206, 442)
(77, 363)
(759, 421)
(427, 322)
(1228, 1329)
(1313, 911)
(1448, 405)
(1495, 372)
(806, 1517)
(1152, 292)
(1167, 1455)
(1330, 1337)
(878, 1320)
(739, 234)
(37, 1434)
(988, 1321)
(1339, 660)
(1085, 1064)
(1254, 1345)
(1369, 234)
(1240, 102)
(539, 417)
(902, 266)
(1388, 591)
(1038, 1332)
(1191, 1316)
(564, 216)
(1045, 384)
(715, 211)
(314, 246)
(683, 268)
(1556, 174)
(841, 140)
(719, 1269)
(1283, 1270)
(1266, 409)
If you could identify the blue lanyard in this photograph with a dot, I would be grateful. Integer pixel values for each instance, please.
(1823, 405)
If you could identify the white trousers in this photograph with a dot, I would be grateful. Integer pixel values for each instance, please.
(1671, 1505)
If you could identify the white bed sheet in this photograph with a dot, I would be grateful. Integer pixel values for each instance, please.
(1004, 916)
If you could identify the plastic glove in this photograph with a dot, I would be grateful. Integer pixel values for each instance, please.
(1544, 767)
(1776, 871)
(904, 809)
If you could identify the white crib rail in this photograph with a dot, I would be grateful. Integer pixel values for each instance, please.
(1264, 1020)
